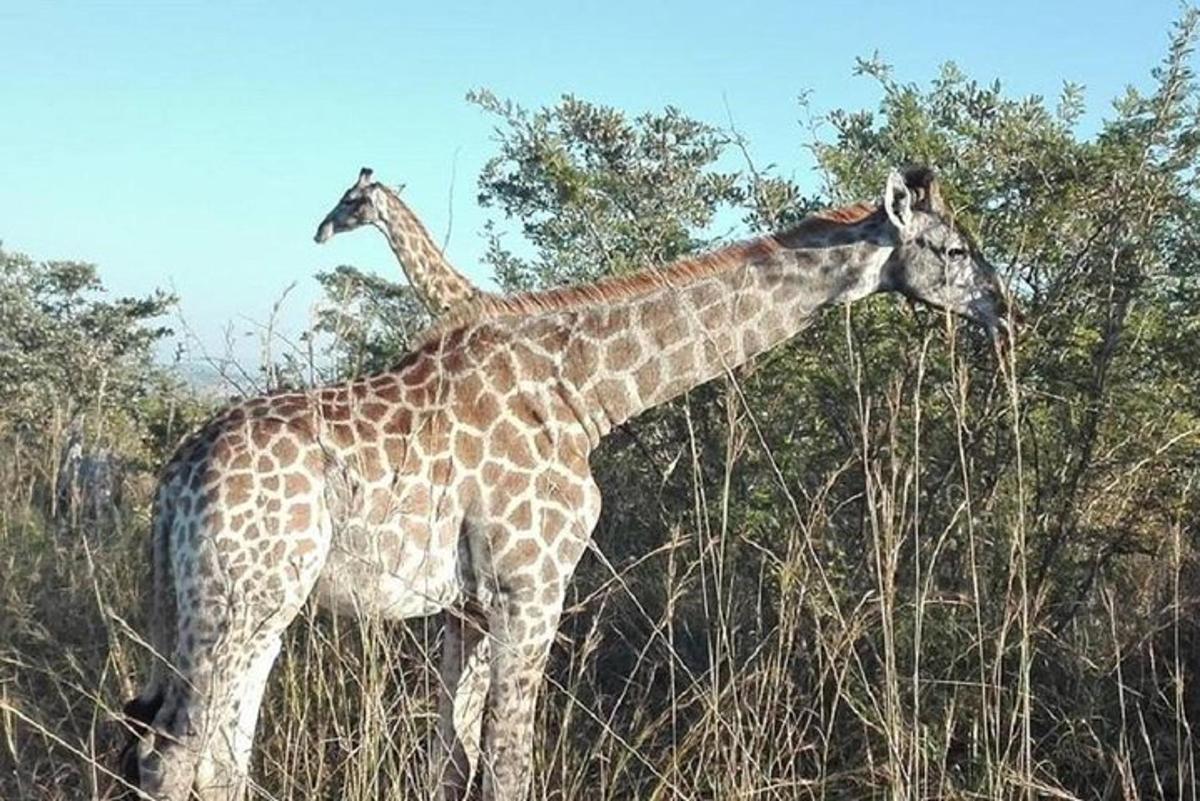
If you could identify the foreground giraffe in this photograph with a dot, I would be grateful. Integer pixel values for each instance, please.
(460, 480)
(367, 202)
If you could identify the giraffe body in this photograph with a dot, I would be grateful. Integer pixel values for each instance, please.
(460, 481)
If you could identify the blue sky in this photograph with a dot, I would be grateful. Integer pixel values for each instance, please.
(194, 146)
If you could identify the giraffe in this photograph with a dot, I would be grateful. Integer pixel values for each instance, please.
(460, 481)
(437, 283)
(89, 480)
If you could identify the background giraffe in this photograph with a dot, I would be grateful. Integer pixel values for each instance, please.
(460, 480)
(439, 285)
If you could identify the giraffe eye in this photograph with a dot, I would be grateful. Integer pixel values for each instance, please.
(957, 254)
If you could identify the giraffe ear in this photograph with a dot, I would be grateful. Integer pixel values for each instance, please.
(364, 176)
(898, 201)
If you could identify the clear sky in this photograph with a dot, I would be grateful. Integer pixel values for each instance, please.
(195, 145)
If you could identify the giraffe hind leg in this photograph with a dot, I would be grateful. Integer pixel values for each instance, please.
(223, 770)
(204, 728)
(229, 634)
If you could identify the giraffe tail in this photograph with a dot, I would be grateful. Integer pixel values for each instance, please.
(141, 710)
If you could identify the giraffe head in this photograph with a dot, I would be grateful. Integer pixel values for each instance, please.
(934, 261)
(359, 206)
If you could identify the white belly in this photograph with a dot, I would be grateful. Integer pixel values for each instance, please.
(404, 568)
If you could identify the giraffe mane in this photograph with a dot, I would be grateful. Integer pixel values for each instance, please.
(831, 218)
(617, 288)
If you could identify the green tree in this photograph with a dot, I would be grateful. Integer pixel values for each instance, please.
(69, 350)
(64, 346)
(598, 193)
(368, 321)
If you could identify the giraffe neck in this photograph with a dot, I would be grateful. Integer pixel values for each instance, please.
(630, 356)
(435, 279)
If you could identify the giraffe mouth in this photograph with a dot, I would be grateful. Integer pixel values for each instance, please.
(324, 232)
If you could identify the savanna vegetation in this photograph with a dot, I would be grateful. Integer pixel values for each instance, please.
(885, 561)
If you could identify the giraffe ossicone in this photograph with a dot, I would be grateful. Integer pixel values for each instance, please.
(460, 481)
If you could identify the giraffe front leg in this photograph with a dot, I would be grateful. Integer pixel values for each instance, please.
(524, 572)
(464, 686)
(524, 632)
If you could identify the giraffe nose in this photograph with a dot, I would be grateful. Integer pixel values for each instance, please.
(324, 231)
